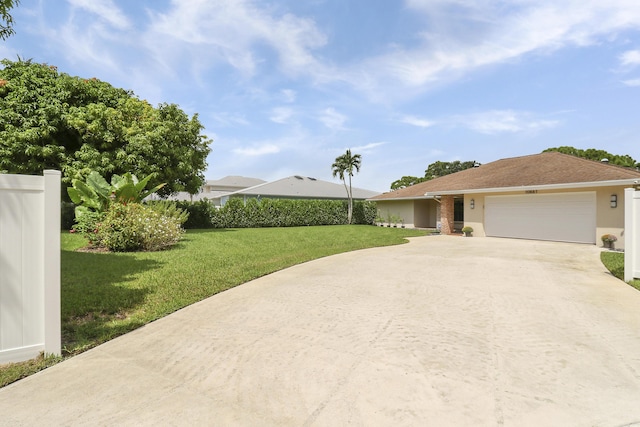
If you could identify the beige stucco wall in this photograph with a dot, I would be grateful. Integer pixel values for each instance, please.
(474, 218)
(425, 213)
(415, 213)
(401, 208)
(608, 220)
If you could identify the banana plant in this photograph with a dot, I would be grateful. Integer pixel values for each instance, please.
(127, 188)
(96, 194)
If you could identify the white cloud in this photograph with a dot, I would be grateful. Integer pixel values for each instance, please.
(230, 119)
(89, 48)
(105, 9)
(465, 35)
(288, 95)
(332, 119)
(281, 115)
(367, 148)
(258, 150)
(632, 82)
(501, 121)
(630, 58)
(416, 121)
(232, 32)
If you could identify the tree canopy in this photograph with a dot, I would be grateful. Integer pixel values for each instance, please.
(51, 120)
(437, 169)
(406, 181)
(597, 155)
(434, 170)
(6, 20)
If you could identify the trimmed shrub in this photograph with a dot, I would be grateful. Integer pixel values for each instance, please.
(276, 213)
(200, 213)
(364, 212)
(87, 225)
(135, 227)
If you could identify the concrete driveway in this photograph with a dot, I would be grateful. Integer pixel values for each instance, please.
(443, 331)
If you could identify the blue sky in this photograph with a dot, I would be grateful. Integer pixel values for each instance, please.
(285, 86)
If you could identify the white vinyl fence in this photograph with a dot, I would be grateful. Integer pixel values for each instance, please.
(29, 266)
(631, 234)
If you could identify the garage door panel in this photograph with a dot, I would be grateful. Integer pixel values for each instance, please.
(566, 217)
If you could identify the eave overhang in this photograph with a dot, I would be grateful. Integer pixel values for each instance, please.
(566, 186)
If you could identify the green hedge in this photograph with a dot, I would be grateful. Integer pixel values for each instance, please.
(275, 213)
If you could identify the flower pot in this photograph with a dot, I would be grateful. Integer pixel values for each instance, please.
(467, 234)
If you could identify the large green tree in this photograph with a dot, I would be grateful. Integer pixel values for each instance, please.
(406, 181)
(50, 120)
(346, 164)
(6, 20)
(434, 170)
(597, 155)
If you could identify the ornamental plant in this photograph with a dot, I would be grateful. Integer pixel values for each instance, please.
(94, 196)
(111, 216)
(135, 227)
(609, 238)
(97, 194)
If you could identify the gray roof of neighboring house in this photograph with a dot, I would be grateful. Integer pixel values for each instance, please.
(545, 169)
(303, 187)
(235, 181)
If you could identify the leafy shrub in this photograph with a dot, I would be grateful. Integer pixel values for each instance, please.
(170, 210)
(87, 225)
(200, 213)
(289, 213)
(135, 227)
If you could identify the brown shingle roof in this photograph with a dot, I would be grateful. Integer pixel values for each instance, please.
(549, 168)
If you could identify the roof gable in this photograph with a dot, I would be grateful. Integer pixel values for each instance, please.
(550, 168)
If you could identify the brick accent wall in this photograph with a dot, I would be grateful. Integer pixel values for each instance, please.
(446, 214)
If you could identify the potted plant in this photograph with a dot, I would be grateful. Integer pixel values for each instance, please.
(467, 231)
(608, 240)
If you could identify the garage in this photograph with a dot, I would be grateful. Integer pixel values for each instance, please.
(563, 217)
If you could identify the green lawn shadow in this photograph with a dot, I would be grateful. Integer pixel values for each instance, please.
(96, 297)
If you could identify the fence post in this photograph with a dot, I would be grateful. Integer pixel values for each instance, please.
(52, 326)
(631, 234)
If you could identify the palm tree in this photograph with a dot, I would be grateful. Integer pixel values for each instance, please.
(345, 164)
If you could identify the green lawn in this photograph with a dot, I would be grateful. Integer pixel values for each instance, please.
(108, 294)
(614, 261)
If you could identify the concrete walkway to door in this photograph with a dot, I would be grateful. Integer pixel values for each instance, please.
(443, 331)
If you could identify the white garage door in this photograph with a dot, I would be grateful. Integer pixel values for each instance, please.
(565, 217)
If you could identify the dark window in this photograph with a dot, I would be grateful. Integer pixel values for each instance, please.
(458, 209)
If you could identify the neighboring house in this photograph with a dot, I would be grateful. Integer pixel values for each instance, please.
(548, 196)
(299, 187)
(214, 190)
